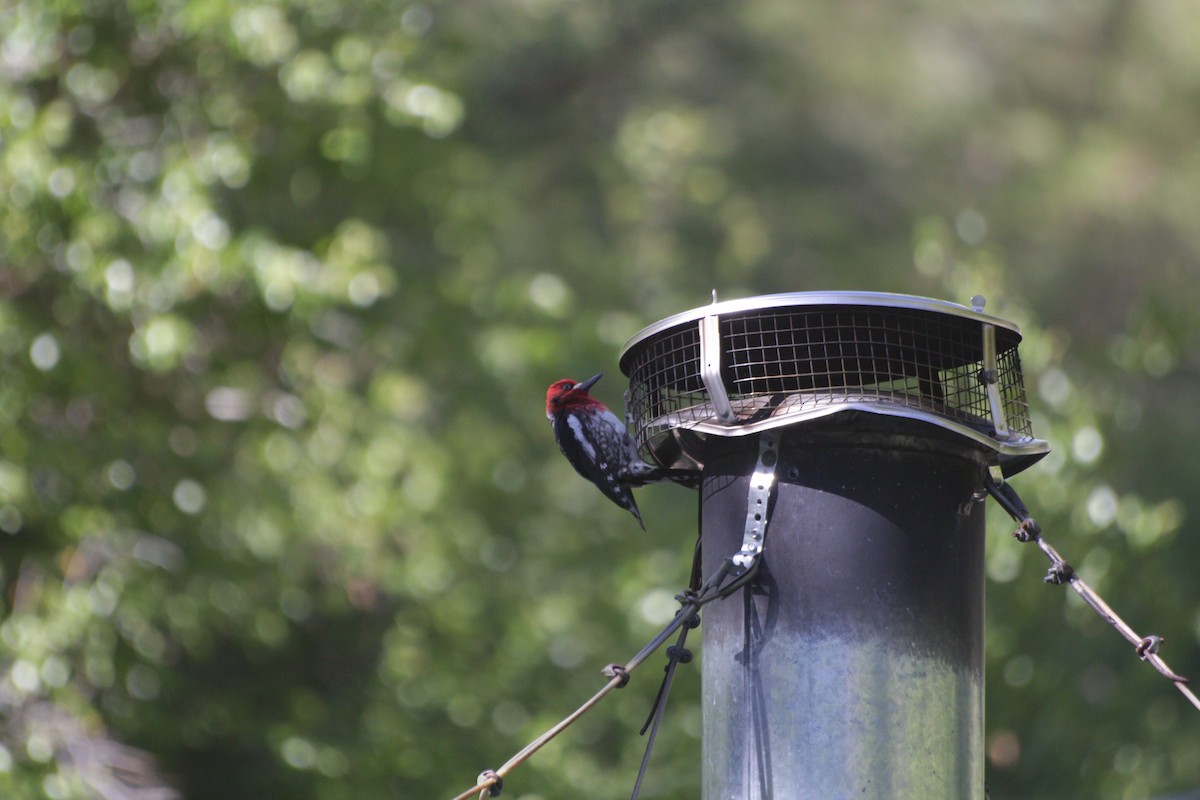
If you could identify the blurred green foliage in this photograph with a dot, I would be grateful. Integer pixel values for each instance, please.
(282, 284)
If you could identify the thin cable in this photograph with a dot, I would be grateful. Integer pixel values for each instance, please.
(1061, 572)
(677, 654)
(712, 589)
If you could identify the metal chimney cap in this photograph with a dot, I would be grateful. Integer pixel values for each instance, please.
(785, 299)
(738, 367)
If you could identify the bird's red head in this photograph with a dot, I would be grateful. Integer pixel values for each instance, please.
(566, 394)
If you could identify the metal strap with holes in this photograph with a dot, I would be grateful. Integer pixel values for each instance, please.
(757, 502)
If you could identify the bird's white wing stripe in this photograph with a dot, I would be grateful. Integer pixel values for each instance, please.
(581, 436)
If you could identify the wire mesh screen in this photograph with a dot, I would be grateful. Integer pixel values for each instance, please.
(666, 389)
(780, 362)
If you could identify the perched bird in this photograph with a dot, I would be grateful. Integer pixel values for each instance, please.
(597, 443)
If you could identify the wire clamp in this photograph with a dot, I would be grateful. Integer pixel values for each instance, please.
(494, 783)
(1149, 646)
(680, 654)
(1028, 531)
(617, 671)
(1058, 574)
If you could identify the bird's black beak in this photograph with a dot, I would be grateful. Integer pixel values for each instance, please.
(583, 387)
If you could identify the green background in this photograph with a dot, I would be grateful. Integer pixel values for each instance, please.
(282, 285)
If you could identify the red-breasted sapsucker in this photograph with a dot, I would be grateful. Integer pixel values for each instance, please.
(597, 443)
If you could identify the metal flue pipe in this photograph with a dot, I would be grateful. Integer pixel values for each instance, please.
(853, 666)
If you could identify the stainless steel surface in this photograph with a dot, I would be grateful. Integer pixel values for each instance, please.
(853, 666)
(786, 299)
(799, 411)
